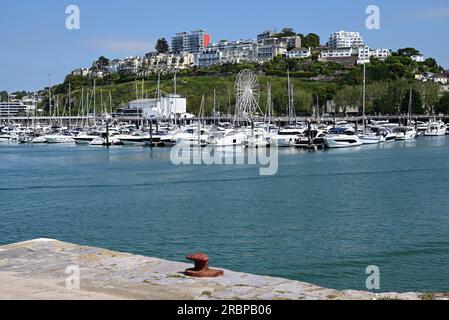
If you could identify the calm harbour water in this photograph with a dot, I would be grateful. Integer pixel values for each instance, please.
(322, 219)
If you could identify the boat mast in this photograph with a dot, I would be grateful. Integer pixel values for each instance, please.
(174, 80)
(289, 96)
(49, 97)
(229, 104)
(9, 110)
(95, 114)
(82, 106)
(410, 106)
(364, 97)
(110, 101)
(214, 107)
(158, 97)
(142, 104)
(70, 108)
(34, 112)
(269, 104)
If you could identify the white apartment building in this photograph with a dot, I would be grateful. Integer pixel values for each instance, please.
(365, 54)
(270, 51)
(343, 39)
(337, 53)
(209, 57)
(381, 54)
(168, 61)
(132, 64)
(192, 42)
(228, 52)
(299, 53)
(115, 65)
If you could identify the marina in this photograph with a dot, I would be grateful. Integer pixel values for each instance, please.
(215, 160)
(321, 219)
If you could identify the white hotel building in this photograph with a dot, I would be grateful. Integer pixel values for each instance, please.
(343, 39)
(344, 45)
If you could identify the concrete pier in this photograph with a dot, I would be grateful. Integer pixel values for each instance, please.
(48, 269)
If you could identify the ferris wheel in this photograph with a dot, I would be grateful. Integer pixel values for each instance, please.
(247, 93)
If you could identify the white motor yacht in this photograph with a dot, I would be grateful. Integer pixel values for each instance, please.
(342, 138)
(137, 139)
(287, 137)
(435, 129)
(229, 138)
(386, 134)
(86, 138)
(5, 137)
(370, 138)
(256, 138)
(39, 139)
(66, 137)
(405, 133)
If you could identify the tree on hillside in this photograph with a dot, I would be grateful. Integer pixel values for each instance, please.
(408, 52)
(19, 94)
(348, 97)
(443, 105)
(311, 40)
(286, 32)
(417, 105)
(431, 63)
(303, 100)
(162, 46)
(430, 95)
(101, 64)
(3, 96)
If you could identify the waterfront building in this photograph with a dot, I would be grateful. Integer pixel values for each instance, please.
(191, 42)
(164, 107)
(15, 108)
(343, 39)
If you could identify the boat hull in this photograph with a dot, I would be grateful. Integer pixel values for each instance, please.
(342, 142)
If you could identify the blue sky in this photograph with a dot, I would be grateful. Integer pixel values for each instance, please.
(35, 42)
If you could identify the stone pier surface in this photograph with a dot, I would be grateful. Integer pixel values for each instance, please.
(44, 269)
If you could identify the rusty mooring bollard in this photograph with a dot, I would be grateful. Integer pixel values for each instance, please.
(201, 269)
